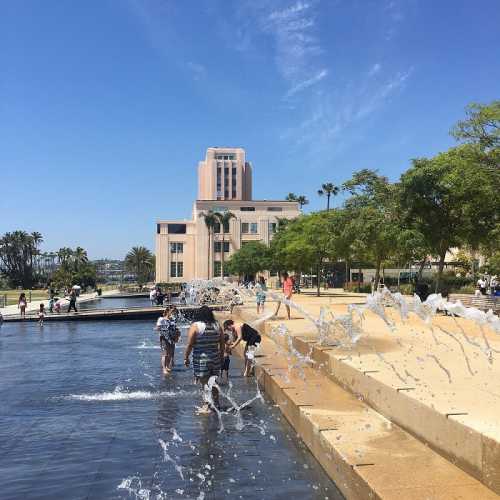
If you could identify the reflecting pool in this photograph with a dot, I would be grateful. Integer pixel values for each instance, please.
(86, 413)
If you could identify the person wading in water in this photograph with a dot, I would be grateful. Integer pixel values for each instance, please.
(206, 342)
(169, 336)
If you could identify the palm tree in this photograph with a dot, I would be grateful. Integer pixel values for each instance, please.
(302, 200)
(64, 256)
(140, 261)
(210, 221)
(328, 189)
(80, 257)
(223, 218)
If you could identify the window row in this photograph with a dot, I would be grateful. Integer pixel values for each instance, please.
(225, 157)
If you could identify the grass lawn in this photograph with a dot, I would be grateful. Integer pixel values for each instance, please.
(13, 295)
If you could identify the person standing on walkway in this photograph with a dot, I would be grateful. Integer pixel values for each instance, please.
(251, 337)
(72, 301)
(260, 296)
(169, 336)
(21, 304)
(287, 289)
(206, 342)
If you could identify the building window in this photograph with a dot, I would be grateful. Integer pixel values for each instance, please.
(249, 228)
(176, 228)
(176, 269)
(217, 227)
(233, 171)
(176, 247)
(272, 227)
(247, 209)
(225, 157)
(158, 227)
(234, 193)
(275, 209)
(217, 246)
(218, 268)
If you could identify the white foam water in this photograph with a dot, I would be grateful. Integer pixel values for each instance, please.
(145, 345)
(122, 395)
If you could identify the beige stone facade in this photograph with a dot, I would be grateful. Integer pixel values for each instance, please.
(224, 184)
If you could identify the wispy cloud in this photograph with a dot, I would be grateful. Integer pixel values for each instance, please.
(199, 71)
(374, 69)
(299, 87)
(297, 44)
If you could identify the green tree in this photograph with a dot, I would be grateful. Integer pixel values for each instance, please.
(305, 243)
(223, 218)
(328, 189)
(481, 125)
(140, 261)
(17, 252)
(451, 200)
(210, 220)
(253, 257)
(372, 217)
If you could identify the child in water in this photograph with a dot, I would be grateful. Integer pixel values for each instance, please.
(41, 314)
(224, 374)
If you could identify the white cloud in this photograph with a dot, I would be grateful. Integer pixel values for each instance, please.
(374, 69)
(199, 71)
(299, 87)
(293, 29)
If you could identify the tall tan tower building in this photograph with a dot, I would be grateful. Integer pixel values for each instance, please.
(225, 175)
(184, 248)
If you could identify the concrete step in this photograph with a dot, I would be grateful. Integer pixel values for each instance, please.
(449, 425)
(366, 454)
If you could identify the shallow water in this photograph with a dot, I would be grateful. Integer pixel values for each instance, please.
(104, 303)
(86, 413)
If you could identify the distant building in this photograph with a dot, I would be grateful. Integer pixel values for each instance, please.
(112, 272)
(224, 184)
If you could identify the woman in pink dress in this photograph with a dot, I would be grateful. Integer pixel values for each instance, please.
(287, 292)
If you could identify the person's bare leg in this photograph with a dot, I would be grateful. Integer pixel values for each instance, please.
(164, 363)
(288, 311)
(205, 407)
(170, 357)
(277, 309)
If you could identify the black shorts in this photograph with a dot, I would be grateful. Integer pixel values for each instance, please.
(225, 364)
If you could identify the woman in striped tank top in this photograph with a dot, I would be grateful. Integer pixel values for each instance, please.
(206, 342)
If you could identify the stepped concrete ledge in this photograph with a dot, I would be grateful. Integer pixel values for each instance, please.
(440, 389)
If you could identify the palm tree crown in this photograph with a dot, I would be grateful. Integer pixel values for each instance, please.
(328, 189)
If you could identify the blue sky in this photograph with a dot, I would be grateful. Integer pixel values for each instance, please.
(107, 106)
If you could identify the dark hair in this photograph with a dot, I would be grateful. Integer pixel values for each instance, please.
(285, 275)
(262, 280)
(227, 324)
(205, 314)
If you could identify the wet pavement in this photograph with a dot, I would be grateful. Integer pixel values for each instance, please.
(86, 413)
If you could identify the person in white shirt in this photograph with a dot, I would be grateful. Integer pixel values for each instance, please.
(152, 296)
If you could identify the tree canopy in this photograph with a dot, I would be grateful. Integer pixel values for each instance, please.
(253, 257)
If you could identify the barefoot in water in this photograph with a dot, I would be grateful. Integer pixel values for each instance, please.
(204, 409)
